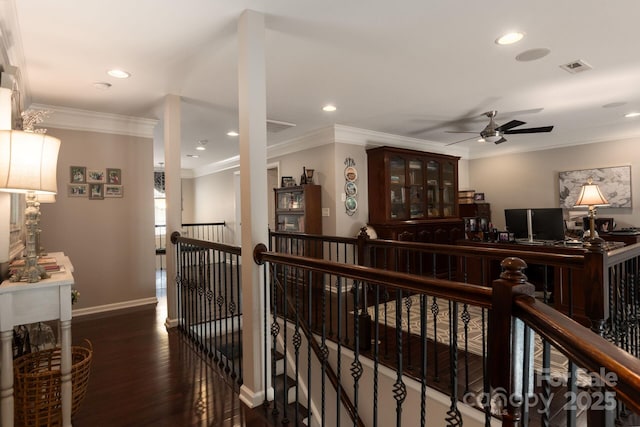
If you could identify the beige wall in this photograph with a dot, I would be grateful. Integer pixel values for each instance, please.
(188, 205)
(111, 241)
(530, 180)
(213, 199)
(321, 159)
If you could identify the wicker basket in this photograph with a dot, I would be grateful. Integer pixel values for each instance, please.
(37, 384)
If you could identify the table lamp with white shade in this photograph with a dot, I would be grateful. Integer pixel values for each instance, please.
(592, 197)
(28, 164)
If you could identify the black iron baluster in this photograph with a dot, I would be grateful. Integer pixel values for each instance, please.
(275, 327)
(356, 365)
(423, 357)
(435, 310)
(226, 313)
(399, 387)
(324, 355)
(219, 301)
(239, 289)
(297, 341)
(466, 318)
(454, 418)
(486, 388)
(285, 318)
(386, 298)
(407, 303)
(376, 354)
(232, 313)
(339, 353)
(309, 370)
(210, 309)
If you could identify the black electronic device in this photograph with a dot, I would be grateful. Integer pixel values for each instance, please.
(536, 225)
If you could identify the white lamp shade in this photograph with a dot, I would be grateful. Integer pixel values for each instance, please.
(28, 162)
(590, 195)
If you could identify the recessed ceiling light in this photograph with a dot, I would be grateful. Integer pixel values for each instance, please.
(193, 156)
(119, 74)
(102, 85)
(629, 115)
(201, 148)
(329, 108)
(510, 38)
(232, 133)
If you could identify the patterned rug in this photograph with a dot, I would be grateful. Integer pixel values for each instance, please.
(559, 364)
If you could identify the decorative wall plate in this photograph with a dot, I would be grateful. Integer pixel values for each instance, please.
(350, 188)
(351, 204)
(350, 174)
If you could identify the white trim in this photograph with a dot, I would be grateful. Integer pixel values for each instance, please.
(252, 399)
(115, 306)
(84, 120)
(171, 323)
(316, 138)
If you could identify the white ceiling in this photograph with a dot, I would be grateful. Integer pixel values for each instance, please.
(415, 68)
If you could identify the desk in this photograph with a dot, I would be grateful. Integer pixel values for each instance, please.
(22, 303)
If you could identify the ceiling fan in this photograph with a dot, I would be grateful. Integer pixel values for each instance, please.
(494, 133)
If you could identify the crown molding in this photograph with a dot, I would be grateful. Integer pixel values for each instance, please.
(313, 139)
(84, 120)
(369, 138)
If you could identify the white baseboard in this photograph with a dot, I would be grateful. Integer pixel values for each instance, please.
(171, 323)
(115, 306)
(251, 398)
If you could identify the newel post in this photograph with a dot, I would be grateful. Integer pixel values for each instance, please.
(363, 253)
(596, 295)
(512, 282)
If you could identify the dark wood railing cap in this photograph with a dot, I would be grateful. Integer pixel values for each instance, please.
(513, 270)
(174, 237)
(257, 253)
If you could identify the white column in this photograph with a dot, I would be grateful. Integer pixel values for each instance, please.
(253, 176)
(173, 196)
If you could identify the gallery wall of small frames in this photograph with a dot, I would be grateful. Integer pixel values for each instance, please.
(95, 184)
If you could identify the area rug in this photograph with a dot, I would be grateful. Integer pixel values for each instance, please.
(559, 364)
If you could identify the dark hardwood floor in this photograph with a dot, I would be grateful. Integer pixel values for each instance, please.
(144, 375)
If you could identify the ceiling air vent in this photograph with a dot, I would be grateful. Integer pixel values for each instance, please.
(275, 126)
(577, 66)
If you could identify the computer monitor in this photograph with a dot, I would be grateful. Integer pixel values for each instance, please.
(516, 221)
(548, 224)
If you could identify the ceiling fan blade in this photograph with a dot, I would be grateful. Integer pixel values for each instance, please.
(509, 125)
(530, 130)
(500, 141)
(462, 140)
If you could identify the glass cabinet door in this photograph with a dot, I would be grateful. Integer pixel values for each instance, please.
(433, 188)
(448, 189)
(397, 177)
(290, 200)
(416, 189)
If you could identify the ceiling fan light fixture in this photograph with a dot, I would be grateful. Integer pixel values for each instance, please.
(510, 38)
(493, 138)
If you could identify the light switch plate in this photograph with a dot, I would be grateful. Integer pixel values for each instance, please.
(325, 211)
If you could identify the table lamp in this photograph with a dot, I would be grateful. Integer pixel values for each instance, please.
(591, 196)
(28, 164)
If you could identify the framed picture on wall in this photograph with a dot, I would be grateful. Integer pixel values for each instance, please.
(114, 176)
(77, 190)
(113, 190)
(95, 175)
(96, 191)
(78, 174)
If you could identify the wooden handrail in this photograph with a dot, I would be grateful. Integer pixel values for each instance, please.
(588, 349)
(204, 244)
(203, 223)
(456, 291)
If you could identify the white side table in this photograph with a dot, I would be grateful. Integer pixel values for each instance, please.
(22, 303)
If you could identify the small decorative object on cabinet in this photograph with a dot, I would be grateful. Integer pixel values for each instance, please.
(298, 209)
